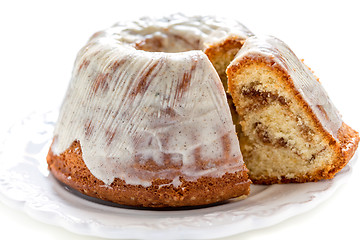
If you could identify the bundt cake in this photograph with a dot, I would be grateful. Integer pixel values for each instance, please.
(290, 130)
(148, 119)
(145, 120)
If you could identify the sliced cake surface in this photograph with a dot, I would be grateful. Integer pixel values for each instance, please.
(290, 129)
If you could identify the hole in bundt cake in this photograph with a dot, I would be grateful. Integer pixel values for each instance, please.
(168, 42)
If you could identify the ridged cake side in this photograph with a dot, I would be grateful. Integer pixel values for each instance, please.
(145, 121)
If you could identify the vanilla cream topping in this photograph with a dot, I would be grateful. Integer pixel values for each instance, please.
(303, 79)
(130, 108)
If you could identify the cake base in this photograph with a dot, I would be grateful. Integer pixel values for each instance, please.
(70, 169)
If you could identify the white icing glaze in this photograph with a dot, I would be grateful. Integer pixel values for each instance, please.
(129, 108)
(179, 33)
(304, 80)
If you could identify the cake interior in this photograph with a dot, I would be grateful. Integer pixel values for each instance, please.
(279, 140)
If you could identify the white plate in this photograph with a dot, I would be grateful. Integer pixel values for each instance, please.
(25, 183)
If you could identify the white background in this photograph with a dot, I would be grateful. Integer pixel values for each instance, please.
(39, 41)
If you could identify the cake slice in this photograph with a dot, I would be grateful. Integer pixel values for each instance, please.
(290, 129)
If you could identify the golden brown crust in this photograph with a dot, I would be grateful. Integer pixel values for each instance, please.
(70, 169)
(229, 44)
(222, 53)
(344, 147)
(348, 143)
